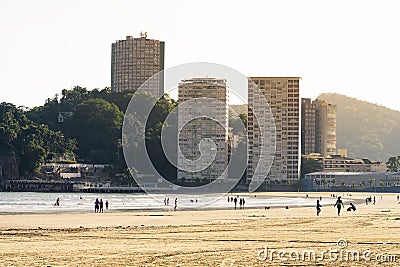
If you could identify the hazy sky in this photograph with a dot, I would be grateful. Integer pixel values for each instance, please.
(348, 47)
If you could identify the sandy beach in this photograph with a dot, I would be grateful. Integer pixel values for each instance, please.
(249, 237)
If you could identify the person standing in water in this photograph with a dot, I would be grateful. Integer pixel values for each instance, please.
(318, 207)
(176, 204)
(339, 204)
(106, 204)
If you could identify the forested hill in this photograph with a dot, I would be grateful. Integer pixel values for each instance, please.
(367, 130)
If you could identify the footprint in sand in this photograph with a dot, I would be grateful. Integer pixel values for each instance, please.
(227, 262)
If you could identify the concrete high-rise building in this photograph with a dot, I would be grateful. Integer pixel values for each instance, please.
(307, 126)
(135, 60)
(325, 125)
(197, 90)
(282, 94)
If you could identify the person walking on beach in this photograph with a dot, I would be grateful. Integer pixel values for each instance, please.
(235, 201)
(240, 203)
(176, 204)
(339, 204)
(101, 205)
(57, 202)
(96, 205)
(318, 207)
(374, 200)
(106, 204)
(243, 203)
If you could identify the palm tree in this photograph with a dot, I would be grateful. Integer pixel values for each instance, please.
(370, 182)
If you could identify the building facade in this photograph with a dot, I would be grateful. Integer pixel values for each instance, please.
(307, 126)
(210, 96)
(318, 127)
(325, 125)
(134, 61)
(282, 94)
(339, 163)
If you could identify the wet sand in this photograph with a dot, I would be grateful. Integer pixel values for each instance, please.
(207, 237)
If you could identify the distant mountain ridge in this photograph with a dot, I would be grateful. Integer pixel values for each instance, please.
(367, 130)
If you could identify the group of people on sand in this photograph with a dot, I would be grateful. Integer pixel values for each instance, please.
(166, 202)
(369, 200)
(339, 204)
(237, 199)
(99, 204)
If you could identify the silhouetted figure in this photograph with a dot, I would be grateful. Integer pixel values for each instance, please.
(243, 203)
(352, 207)
(267, 208)
(176, 204)
(318, 207)
(106, 204)
(366, 201)
(338, 205)
(96, 205)
(397, 198)
(374, 200)
(287, 207)
(235, 201)
(57, 202)
(229, 199)
(101, 206)
(240, 203)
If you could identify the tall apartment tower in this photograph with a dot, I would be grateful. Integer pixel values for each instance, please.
(135, 60)
(282, 94)
(325, 125)
(307, 126)
(197, 89)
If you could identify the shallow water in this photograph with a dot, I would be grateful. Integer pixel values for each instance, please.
(31, 202)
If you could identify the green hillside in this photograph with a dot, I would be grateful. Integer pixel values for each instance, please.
(367, 130)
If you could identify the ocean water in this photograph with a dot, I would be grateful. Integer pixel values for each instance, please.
(31, 202)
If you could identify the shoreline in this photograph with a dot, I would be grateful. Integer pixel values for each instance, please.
(112, 217)
(280, 200)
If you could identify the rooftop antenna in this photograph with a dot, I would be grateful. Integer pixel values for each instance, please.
(143, 34)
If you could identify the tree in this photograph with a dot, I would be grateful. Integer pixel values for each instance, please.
(309, 165)
(33, 144)
(96, 125)
(393, 164)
